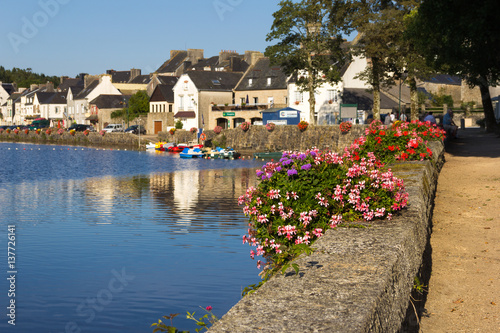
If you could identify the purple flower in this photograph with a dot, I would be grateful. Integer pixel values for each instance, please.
(259, 173)
(293, 156)
(291, 172)
(313, 154)
(286, 162)
(278, 169)
(302, 156)
(306, 166)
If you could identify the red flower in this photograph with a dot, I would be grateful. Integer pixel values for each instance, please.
(391, 148)
(209, 308)
(382, 132)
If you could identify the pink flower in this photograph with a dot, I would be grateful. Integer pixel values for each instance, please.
(209, 308)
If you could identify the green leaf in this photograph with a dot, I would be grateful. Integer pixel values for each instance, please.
(296, 268)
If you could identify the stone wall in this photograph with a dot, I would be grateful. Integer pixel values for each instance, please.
(357, 280)
(258, 138)
(117, 140)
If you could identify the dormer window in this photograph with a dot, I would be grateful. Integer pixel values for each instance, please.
(269, 81)
(250, 82)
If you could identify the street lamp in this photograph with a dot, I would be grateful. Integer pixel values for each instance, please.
(402, 78)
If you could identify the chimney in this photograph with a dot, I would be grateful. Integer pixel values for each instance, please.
(194, 55)
(33, 87)
(49, 87)
(251, 57)
(134, 73)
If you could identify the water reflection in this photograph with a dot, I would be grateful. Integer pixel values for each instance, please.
(179, 234)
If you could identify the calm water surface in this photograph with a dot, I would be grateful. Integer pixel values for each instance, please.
(110, 241)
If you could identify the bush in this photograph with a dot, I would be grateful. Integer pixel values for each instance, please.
(193, 130)
(270, 126)
(217, 129)
(402, 141)
(245, 126)
(178, 124)
(304, 194)
(303, 125)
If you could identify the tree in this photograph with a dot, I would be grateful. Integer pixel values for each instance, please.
(463, 38)
(138, 105)
(379, 23)
(308, 46)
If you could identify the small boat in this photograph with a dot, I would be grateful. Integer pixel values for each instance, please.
(163, 146)
(151, 146)
(191, 153)
(273, 155)
(177, 148)
(227, 153)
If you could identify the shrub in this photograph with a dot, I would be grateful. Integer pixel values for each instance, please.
(402, 141)
(303, 125)
(217, 129)
(178, 124)
(304, 194)
(193, 130)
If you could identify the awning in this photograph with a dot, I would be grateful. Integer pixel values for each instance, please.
(185, 114)
(92, 117)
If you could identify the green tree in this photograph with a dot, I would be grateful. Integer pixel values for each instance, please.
(137, 105)
(308, 44)
(463, 38)
(379, 25)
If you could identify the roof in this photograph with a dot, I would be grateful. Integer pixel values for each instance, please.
(172, 64)
(214, 81)
(110, 101)
(87, 90)
(163, 93)
(70, 82)
(141, 79)
(51, 97)
(364, 99)
(171, 80)
(233, 64)
(280, 109)
(185, 114)
(120, 76)
(9, 88)
(259, 74)
(445, 79)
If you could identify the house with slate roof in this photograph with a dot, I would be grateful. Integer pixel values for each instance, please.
(51, 106)
(81, 110)
(161, 108)
(196, 91)
(101, 108)
(160, 79)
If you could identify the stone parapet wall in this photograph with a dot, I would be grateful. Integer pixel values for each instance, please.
(118, 140)
(357, 280)
(258, 138)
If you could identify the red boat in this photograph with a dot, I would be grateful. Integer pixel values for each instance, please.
(180, 147)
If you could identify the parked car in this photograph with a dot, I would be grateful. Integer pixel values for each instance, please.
(81, 128)
(113, 128)
(135, 129)
(41, 123)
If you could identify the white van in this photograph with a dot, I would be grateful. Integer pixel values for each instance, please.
(113, 128)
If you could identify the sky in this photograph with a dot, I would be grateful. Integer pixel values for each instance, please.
(68, 37)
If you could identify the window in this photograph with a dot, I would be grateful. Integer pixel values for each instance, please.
(181, 102)
(299, 97)
(186, 85)
(190, 102)
(242, 100)
(332, 96)
(269, 81)
(250, 82)
(216, 82)
(255, 100)
(170, 108)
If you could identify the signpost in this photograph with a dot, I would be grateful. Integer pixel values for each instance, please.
(228, 114)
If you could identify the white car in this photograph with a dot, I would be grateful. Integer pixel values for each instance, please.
(113, 128)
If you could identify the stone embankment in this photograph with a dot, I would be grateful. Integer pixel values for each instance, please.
(358, 279)
(115, 140)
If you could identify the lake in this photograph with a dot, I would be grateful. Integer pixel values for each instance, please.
(112, 240)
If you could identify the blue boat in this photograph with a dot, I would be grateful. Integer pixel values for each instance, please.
(191, 153)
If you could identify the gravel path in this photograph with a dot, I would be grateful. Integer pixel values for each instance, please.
(464, 288)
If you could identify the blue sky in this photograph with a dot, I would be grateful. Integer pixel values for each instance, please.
(67, 37)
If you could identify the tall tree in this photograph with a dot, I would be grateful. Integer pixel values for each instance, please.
(308, 45)
(376, 21)
(463, 38)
